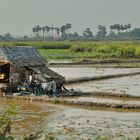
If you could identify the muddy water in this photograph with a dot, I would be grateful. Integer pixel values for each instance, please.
(83, 124)
(74, 123)
(78, 72)
(30, 115)
(125, 85)
(67, 123)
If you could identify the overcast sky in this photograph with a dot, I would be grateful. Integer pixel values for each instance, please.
(19, 16)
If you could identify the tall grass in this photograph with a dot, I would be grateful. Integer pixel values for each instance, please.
(39, 44)
(117, 49)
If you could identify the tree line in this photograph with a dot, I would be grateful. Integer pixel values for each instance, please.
(116, 32)
(51, 31)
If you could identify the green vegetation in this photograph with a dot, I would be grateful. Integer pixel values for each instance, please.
(6, 118)
(94, 50)
(39, 44)
(78, 50)
(6, 115)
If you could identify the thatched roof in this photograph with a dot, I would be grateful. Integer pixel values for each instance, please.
(21, 56)
(47, 72)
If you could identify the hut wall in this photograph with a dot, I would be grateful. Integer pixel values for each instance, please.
(15, 75)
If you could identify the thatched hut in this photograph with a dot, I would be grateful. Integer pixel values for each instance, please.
(18, 63)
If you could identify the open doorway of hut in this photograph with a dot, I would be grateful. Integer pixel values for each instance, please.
(4, 73)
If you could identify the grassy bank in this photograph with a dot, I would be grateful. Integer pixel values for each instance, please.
(66, 50)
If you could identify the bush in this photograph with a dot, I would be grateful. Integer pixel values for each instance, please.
(20, 44)
(62, 46)
(130, 51)
(78, 48)
(137, 52)
(120, 51)
(106, 49)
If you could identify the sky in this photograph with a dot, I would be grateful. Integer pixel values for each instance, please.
(18, 17)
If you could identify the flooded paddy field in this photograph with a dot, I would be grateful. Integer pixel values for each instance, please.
(124, 85)
(72, 123)
(115, 125)
(66, 122)
(30, 115)
(74, 72)
(84, 124)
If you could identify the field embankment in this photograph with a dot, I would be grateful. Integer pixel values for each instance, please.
(87, 79)
(82, 104)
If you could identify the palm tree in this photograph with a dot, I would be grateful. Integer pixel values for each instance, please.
(101, 32)
(100, 27)
(122, 27)
(52, 28)
(38, 29)
(128, 26)
(47, 29)
(63, 31)
(58, 31)
(34, 30)
(68, 27)
(43, 31)
(112, 27)
(116, 27)
(88, 33)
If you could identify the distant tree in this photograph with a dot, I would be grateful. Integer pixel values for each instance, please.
(68, 27)
(127, 26)
(111, 35)
(120, 27)
(34, 30)
(25, 37)
(63, 31)
(75, 34)
(101, 32)
(135, 33)
(43, 31)
(117, 27)
(8, 37)
(58, 31)
(88, 33)
(47, 30)
(1, 37)
(52, 28)
(37, 30)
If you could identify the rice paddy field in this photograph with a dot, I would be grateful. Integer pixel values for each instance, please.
(65, 122)
(75, 72)
(123, 85)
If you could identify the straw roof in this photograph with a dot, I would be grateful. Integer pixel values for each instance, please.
(22, 56)
(48, 73)
(27, 57)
